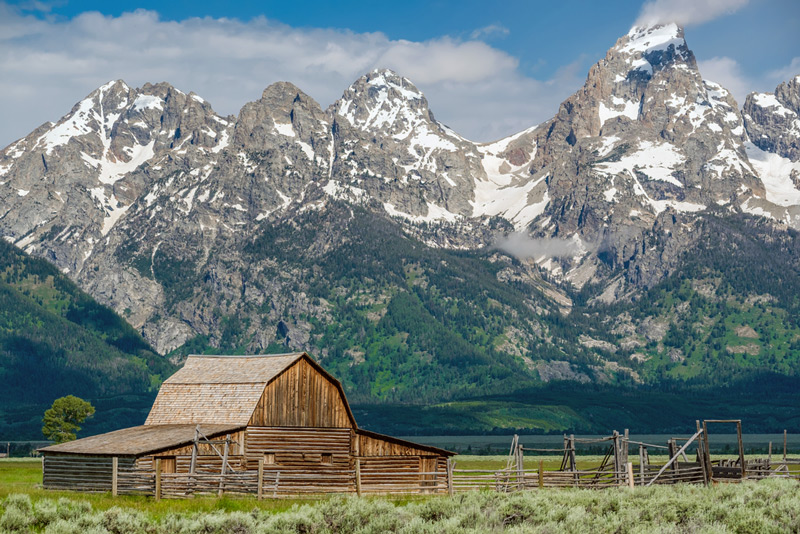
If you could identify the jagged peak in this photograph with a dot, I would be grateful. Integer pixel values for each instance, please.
(654, 46)
(381, 98)
(288, 93)
(392, 80)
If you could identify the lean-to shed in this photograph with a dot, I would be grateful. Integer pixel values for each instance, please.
(283, 410)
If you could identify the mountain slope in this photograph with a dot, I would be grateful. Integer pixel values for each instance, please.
(420, 266)
(55, 340)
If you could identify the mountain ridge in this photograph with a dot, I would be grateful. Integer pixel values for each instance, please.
(279, 228)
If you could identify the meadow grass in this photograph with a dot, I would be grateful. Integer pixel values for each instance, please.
(766, 506)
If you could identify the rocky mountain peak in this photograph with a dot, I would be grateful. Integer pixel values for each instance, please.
(773, 119)
(651, 48)
(284, 114)
(383, 101)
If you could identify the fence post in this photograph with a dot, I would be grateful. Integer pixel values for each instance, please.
(541, 474)
(641, 464)
(358, 477)
(224, 465)
(260, 478)
(769, 456)
(450, 477)
(630, 474)
(158, 479)
(520, 468)
(114, 471)
(784, 446)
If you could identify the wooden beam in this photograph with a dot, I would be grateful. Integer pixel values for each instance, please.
(742, 462)
(158, 479)
(707, 458)
(450, 468)
(224, 465)
(784, 445)
(671, 460)
(260, 478)
(114, 475)
(541, 474)
(630, 474)
(194, 449)
(358, 477)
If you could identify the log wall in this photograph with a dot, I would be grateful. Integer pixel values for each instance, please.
(80, 473)
(309, 460)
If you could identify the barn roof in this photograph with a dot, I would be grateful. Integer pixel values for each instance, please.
(138, 440)
(223, 389)
(217, 389)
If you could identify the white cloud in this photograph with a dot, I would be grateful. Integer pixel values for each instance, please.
(728, 73)
(687, 12)
(490, 31)
(523, 247)
(786, 73)
(49, 64)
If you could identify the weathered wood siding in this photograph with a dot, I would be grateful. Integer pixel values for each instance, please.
(309, 460)
(389, 474)
(371, 446)
(301, 397)
(205, 464)
(82, 473)
(206, 449)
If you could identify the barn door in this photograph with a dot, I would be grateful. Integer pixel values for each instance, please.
(427, 466)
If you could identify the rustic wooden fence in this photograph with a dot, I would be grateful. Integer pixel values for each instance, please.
(276, 484)
(387, 477)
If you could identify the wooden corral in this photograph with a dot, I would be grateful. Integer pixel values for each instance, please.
(246, 423)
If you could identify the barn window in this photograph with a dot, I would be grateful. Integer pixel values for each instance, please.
(269, 457)
(327, 458)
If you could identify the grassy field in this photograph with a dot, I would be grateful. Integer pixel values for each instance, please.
(767, 506)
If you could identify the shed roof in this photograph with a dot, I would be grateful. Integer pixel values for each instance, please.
(217, 389)
(138, 440)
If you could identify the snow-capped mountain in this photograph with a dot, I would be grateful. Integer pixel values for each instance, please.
(154, 203)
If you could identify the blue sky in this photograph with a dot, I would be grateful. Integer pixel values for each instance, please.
(489, 69)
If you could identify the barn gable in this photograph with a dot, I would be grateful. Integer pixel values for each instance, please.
(303, 395)
(266, 390)
(216, 389)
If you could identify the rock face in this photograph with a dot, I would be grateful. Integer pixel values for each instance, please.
(773, 120)
(156, 205)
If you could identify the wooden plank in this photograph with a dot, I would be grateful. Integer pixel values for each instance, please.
(671, 460)
(260, 478)
(158, 479)
(114, 476)
(741, 449)
(358, 477)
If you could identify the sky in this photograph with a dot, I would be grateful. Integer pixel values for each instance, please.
(488, 69)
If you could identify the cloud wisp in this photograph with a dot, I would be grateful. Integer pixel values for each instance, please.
(687, 12)
(522, 246)
(48, 64)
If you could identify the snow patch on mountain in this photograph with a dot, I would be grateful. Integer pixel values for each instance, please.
(776, 173)
(658, 161)
(112, 170)
(76, 124)
(644, 39)
(629, 109)
(144, 102)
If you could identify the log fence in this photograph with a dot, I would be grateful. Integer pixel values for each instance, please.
(371, 475)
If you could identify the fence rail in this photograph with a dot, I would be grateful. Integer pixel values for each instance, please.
(276, 484)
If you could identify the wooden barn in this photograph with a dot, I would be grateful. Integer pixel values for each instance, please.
(282, 415)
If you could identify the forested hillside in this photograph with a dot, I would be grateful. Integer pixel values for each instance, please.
(56, 340)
